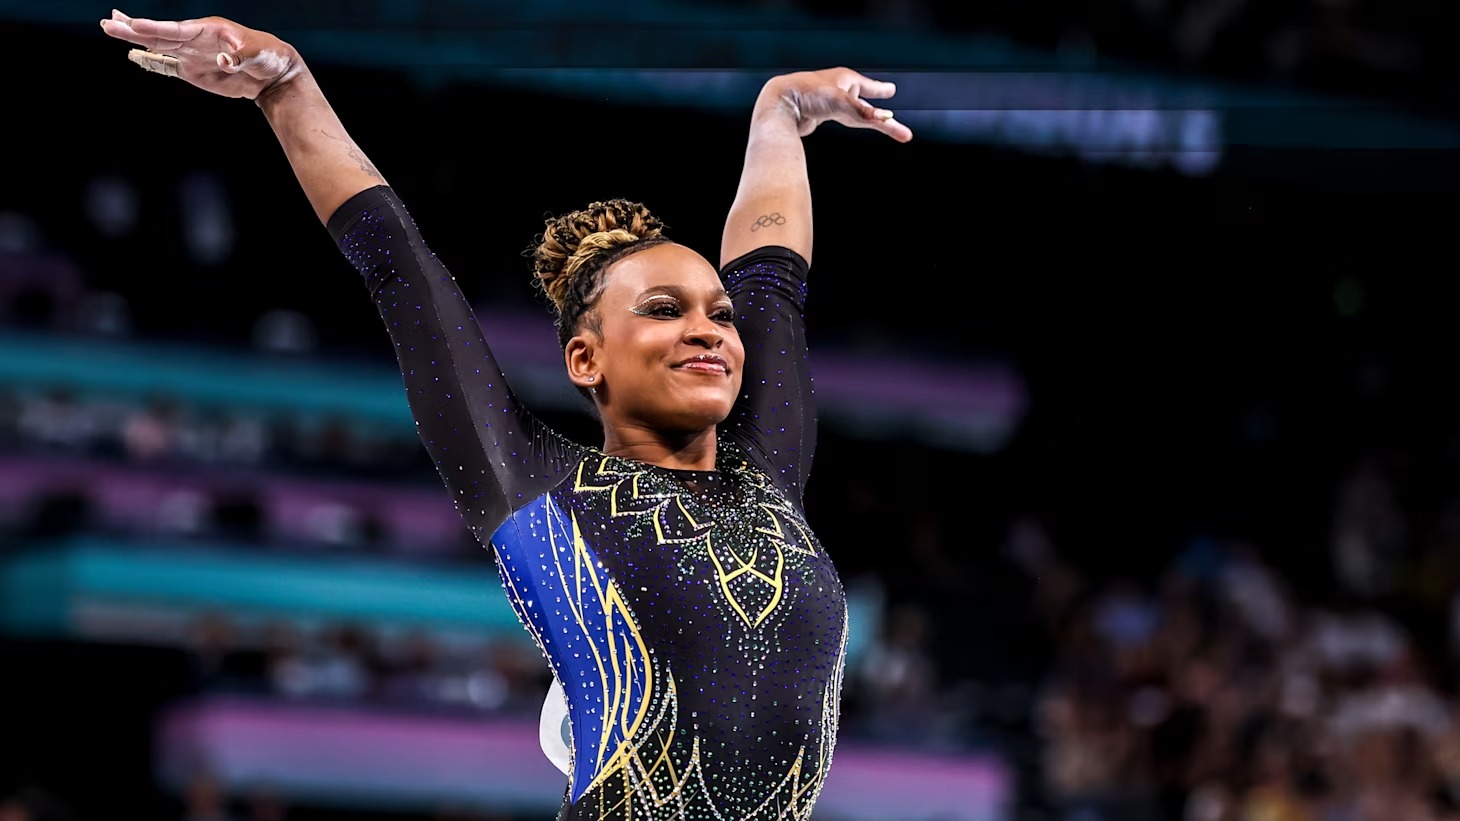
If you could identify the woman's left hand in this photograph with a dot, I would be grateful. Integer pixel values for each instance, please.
(834, 95)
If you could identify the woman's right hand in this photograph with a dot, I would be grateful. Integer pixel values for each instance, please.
(212, 53)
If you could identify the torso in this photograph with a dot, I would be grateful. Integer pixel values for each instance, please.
(697, 629)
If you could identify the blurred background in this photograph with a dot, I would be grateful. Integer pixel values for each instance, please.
(1136, 376)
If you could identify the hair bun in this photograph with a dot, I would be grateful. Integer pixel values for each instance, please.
(571, 244)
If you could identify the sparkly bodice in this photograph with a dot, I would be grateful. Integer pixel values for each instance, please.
(697, 629)
(694, 621)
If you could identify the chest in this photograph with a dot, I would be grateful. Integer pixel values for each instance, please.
(721, 548)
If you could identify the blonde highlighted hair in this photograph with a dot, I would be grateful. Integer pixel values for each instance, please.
(574, 249)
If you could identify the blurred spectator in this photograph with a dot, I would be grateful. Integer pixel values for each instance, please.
(221, 661)
(284, 331)
(337, 668)
(201, 441)
(417, 675)
(897, 680)
(337, 525)
(113, 205)
(1352, 644)
(1370, 532)
(1256, 593)
(150, 433)
(241, 439)
(1124, 617)
(330, 446)
(59, 419)
(207, 214)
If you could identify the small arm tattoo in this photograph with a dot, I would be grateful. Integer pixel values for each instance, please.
(357, 155)
(767, 220)
(365, 165)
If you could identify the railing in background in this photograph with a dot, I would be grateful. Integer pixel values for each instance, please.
(294, 511)
(345, 758)
(963, 406)
(139, 592)
(145, 592)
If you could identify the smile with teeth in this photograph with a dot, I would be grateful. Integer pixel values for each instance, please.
(707, 363)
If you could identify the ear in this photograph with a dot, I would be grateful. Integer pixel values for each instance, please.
(579, 357)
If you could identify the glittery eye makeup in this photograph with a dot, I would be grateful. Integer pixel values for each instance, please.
(657, 305)
(668, 305)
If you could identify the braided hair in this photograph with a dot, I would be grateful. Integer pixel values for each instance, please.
(574, 249)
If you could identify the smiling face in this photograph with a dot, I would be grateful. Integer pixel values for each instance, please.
(666, 356)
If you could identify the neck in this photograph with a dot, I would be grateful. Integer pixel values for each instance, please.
(678, 451)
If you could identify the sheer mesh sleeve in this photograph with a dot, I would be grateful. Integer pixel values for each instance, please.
(493, 455)
(775, 415)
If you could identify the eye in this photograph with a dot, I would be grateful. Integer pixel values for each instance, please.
(726, 315)
(661, 308)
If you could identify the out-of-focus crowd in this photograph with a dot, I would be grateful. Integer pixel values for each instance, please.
(1213, 691)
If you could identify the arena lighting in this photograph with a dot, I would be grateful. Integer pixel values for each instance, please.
(1132, 121)
(953, 88)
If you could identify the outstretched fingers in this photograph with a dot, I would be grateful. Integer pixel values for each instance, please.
(122, 30)
(873, 89)
(867, 115)
(166, 30)
(883, 120)
(860, 88)
(894, 129)
(160, 36)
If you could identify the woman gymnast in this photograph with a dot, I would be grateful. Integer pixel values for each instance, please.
(695, 625)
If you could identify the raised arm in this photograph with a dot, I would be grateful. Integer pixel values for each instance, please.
(765, 257)
(491, 453)
(231, 60)
(773, 202)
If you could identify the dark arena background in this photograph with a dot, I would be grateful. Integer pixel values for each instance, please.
(1140, 450)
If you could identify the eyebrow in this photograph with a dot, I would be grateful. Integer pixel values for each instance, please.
(679, 293)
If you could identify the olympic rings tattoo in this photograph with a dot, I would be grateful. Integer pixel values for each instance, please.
(768, 220)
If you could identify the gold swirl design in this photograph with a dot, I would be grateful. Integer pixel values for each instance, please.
(618, 672)
(627, 497)
(640, 778)
(625, 666)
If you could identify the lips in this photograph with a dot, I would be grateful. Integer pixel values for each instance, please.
(705, 363)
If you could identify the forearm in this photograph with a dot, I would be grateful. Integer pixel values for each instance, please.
(330, 167)
(773, 202)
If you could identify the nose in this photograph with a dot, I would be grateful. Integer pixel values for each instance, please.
(704, 334)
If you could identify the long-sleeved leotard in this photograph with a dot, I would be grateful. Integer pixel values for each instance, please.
(692, 618)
